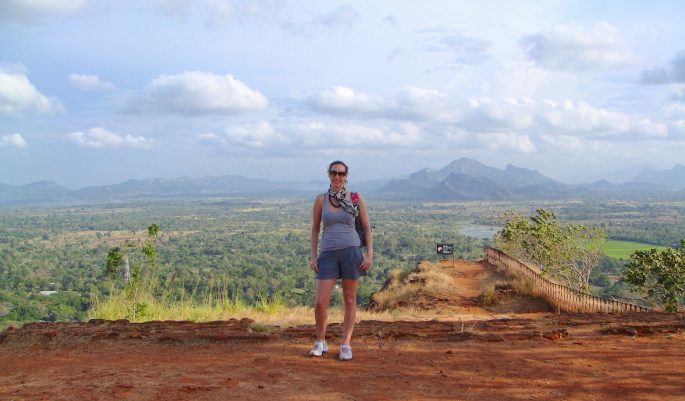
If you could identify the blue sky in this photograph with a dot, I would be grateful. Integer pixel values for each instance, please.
(95, 92)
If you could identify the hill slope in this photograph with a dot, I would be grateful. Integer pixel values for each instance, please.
(451, 288)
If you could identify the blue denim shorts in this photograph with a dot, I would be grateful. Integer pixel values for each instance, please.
(340, 263)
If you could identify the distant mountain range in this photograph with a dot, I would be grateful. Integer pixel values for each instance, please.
(468, 179)
(47, 192)
(463, 179)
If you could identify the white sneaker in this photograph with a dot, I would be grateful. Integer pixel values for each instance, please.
(319, 348)
(345, 352)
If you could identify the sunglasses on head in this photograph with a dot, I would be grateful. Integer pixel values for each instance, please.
(333, 173)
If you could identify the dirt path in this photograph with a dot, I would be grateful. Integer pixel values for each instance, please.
(469, 280)
(530, 370)
(467, 353)
(461, 299)
(554, 357)
(469, 276)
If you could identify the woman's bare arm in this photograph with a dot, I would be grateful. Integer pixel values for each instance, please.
(364, 217)
(316, 228)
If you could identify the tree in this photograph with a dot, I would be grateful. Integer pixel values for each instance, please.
(658, 275)
(115, 259)
(535, 239)
(137, 287)
(118, 256)
(567, 252)
(581, 249)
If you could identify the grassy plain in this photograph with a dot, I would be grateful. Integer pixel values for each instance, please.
(623, 249)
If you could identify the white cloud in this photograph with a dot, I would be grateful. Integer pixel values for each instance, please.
(523, 116)
(253, 135)
(220, 12)
(17, 94)
(677, 129)
(88, 82)
(569, 48)
(344, 135)
(224, 13)
(196, 93)
(344, 100)
(566, 142)
(299, 136)
(675, 111)
(488, 115)
(419, 103)
(674, 114)
(319, 134)
(256, 135)
(15, 140)
(454, 135)
(209, 138)
(344, 17)
(98, 137)
(409, 103)
(679, 94)
(508, 141)
(460, 48)
(29, 9)
(673, 73)
(581, 118)
(646, 128)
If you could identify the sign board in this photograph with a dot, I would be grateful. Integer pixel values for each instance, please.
(444, 249)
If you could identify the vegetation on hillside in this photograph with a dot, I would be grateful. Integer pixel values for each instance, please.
(251, 251)
(403, 288)
(659, 274)
(237, 250)
(566, 252)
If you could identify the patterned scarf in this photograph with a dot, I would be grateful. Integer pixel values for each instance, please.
(340, 196)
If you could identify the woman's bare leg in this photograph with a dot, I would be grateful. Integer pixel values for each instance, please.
(324, 288)
(350, 298)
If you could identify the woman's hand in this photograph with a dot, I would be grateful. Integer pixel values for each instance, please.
(366, 263)
(313, 265)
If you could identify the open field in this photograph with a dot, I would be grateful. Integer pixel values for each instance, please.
(623, 249)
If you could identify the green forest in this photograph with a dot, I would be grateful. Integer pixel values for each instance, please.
(257, 249)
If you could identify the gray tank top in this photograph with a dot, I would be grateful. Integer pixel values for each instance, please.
(338, 228)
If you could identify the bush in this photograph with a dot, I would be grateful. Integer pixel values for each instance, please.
(659, 275)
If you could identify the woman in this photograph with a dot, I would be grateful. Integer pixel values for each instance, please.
(340, 255)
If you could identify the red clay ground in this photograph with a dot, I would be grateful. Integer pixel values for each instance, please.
(638, 356)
